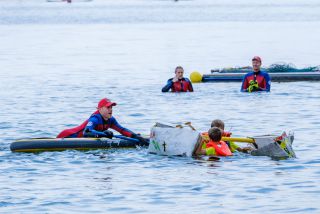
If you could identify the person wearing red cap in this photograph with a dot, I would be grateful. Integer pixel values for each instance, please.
(256, 80)
(178, 83)
(99, 123)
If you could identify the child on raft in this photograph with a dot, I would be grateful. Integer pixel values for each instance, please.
(215, 146)
(232, 146)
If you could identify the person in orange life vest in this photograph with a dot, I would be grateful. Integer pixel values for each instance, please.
(216, 123)
(215, 147)
(220, 124)
(233, 147)
(256, 80)
(99, 123)
(178, 83)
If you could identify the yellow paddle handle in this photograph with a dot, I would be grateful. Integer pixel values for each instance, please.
(239, 139)
(233, 139)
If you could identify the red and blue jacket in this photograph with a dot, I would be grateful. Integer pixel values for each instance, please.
(261, 77)
(182, 85)
(95, 125)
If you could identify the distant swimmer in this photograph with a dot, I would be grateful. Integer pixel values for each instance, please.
(98, 124)
(178, 83)
(256, 80)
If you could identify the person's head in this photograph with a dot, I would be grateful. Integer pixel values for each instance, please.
(179, 72)
(218, 123)
(105, 108)
(215, 134)
(256, 63)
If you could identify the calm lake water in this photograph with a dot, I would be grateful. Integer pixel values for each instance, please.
(57, 60)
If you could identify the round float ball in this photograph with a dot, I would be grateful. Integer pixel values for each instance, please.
(195, 76)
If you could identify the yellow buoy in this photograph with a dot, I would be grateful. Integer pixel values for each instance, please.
(195, 77)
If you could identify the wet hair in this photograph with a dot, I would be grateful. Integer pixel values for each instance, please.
(178, 67)
(218, 123)
(215, 134)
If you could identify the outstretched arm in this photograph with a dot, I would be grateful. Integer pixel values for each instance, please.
(126, 132)
(167, 87)
(200, 150)
(116, 126)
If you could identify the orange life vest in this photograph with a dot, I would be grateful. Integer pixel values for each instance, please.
(222, 149)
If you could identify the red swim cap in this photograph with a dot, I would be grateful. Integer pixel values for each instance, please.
(105, 102)
(257, 58)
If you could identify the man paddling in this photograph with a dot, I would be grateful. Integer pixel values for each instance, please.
(99, 123)
(178, 83)
(256, 80)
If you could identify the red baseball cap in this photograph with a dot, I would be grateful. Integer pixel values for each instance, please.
(257, 58)
(105, 102)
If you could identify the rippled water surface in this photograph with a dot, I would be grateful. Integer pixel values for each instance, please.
(57, 60)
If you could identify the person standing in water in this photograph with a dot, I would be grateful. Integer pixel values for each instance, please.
(256, 80)
(178, 83)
